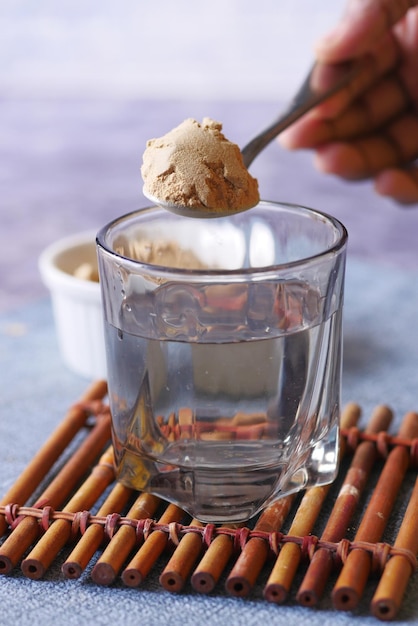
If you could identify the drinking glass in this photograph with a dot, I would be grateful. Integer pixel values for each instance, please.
(223, 347)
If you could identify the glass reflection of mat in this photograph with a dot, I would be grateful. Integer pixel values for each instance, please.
(338, 539)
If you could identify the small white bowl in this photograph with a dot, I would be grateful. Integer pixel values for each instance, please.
(76, 304)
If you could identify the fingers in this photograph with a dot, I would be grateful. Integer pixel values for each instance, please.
(402, 185)
(366, 157)
(382, 103)
(369, 128)
(364, 23)
(384, 58)
(342, 159)
(371, 71)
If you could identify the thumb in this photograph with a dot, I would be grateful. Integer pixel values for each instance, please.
(362, 26)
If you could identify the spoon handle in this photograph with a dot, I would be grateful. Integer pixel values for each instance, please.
(305, 99)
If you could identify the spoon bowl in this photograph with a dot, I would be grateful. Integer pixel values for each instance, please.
(188, 211)
(322, 81)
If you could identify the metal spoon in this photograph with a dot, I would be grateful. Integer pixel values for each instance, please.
(321, 82)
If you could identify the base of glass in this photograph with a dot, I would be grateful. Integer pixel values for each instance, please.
(222, 495)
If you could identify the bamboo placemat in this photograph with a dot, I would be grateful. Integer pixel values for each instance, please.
(51, 504)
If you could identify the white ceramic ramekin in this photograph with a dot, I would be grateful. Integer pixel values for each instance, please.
(76, 304)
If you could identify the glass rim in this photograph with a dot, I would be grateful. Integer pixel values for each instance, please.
(332, 250)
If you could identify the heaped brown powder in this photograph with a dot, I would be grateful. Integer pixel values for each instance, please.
(164, 253)
(195, 166)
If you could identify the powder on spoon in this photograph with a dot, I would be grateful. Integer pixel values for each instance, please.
(194, 165)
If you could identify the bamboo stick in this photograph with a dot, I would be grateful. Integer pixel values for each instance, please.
(287, 562)
(93, 537)
(390, 591)
(253, 556)
(317, 574)
(46, 456)
(174, 575)
(213, 563)
(138, 568)
(122, 543)
(58, 534)
(355, 572)
(26, 532)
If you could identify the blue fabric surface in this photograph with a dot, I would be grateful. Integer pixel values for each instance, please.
(380, 365)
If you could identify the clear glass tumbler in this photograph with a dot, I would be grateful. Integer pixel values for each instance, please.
(223, 342)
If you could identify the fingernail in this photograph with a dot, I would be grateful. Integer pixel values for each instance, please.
(330, 39)
(285, 138)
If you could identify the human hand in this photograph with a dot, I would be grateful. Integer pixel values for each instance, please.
(370, 128)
